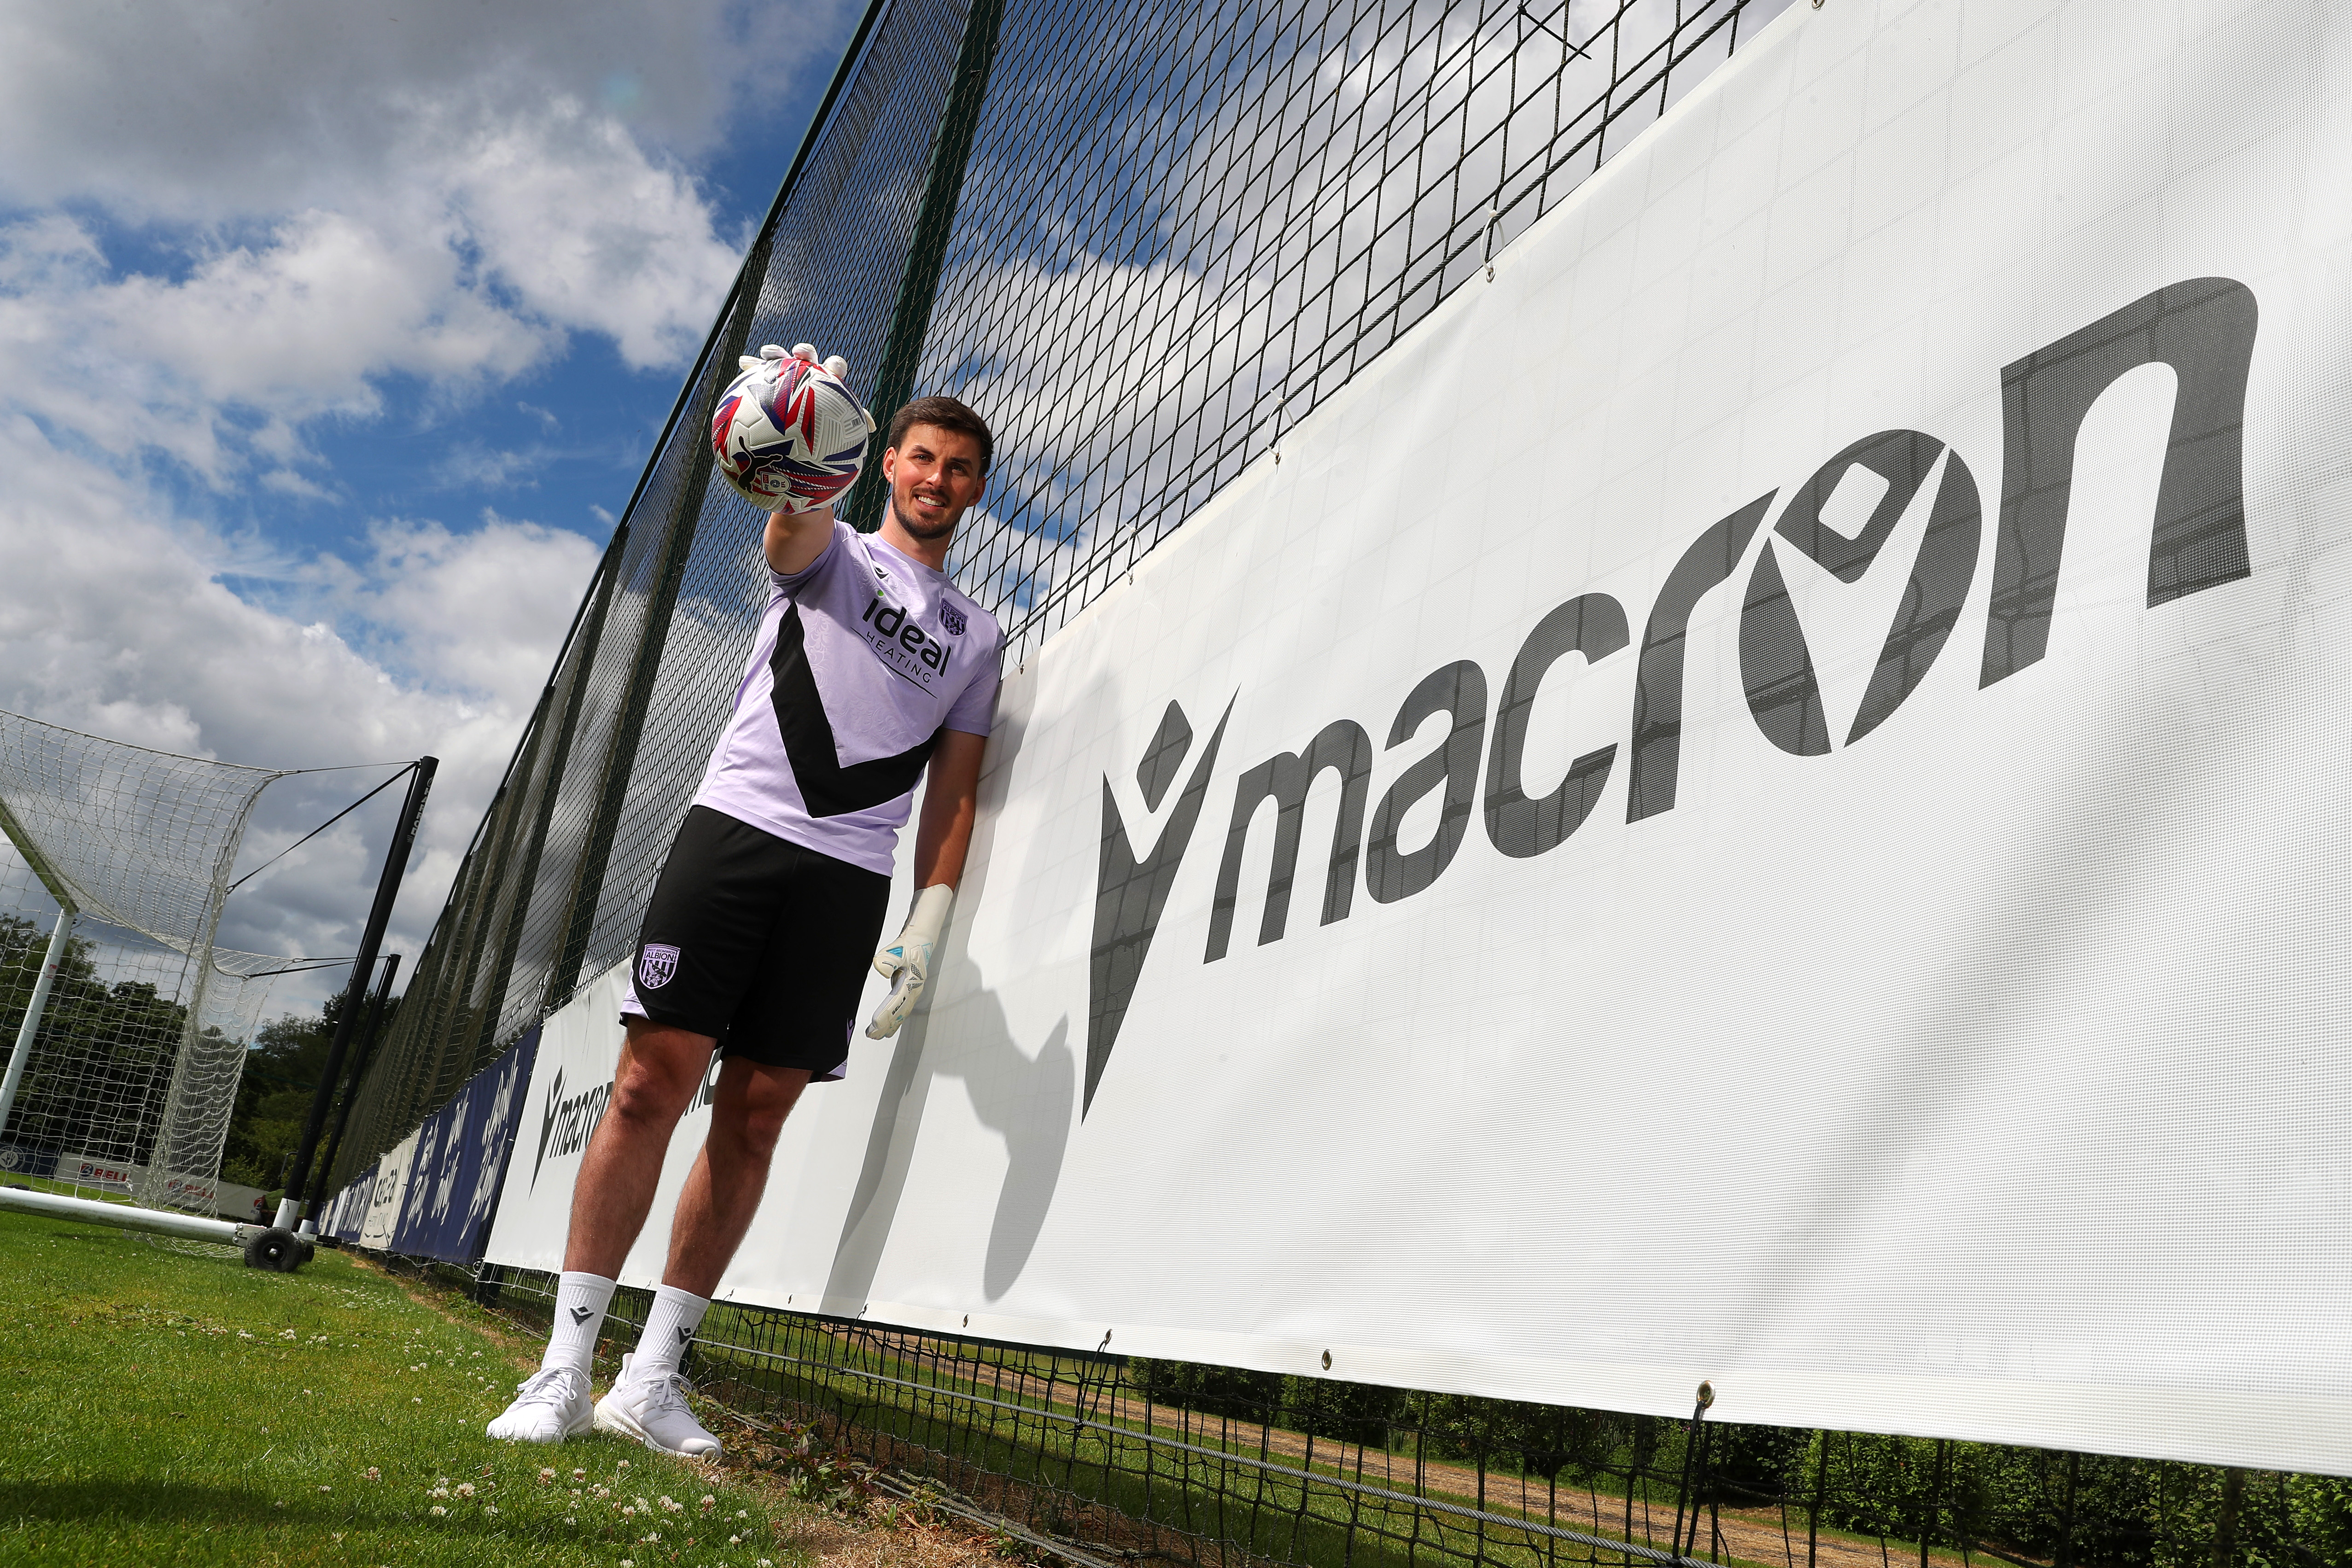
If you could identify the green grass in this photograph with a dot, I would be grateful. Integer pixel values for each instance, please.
(161, 1404)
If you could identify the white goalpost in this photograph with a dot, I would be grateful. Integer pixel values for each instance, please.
(128, 1028)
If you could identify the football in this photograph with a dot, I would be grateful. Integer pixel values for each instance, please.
(789, 434)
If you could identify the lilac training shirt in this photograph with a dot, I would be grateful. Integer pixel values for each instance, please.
(862, 659)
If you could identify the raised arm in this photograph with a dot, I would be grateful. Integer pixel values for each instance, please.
(794, 539)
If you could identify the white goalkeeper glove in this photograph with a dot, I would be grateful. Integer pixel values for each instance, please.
(908, 956)
(833, 365)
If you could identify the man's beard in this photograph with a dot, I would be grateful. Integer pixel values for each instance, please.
(938, 530)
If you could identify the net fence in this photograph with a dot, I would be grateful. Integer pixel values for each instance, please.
(1144, 242)
(1104, 1459)
(130, 1077)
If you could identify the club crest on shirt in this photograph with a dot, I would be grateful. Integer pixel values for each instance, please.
(659, 966)
(952, 619)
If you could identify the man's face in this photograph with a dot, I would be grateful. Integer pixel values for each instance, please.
(934, 476)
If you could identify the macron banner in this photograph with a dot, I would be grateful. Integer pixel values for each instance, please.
(1760, 800)
(461, 1152)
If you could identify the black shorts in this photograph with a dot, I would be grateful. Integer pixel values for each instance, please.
(758, 942)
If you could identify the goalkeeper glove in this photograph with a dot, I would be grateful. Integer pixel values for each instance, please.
(833, 365)
(908, 956)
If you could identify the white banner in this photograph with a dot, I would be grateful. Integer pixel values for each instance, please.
(391, 1189)
(1760, 800)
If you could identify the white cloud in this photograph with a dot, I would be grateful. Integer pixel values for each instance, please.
(191, 111)
(224, 230)
(506, 238)
(132, 635)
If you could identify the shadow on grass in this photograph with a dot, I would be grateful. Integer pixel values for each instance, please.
(182, 1505)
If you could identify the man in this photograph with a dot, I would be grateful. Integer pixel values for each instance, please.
(869, 665)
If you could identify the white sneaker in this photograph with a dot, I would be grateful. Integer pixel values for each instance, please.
(549, 1405)
(653, 1411)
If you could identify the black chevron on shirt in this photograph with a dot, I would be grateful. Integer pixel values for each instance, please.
(829, 789)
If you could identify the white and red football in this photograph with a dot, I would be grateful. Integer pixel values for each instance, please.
(788, 434)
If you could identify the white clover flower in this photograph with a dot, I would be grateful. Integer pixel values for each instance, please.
(709, 1502)
(545, 1475)
(763, 1563)
(286, 1334)
(490, 1508)
(734, 1541)
(465, 1488)
(570, 1519)
(326, 1489)
(742, 1514)
(413, 1400)
(242, 1334)
(628, 1562)
(622, 1465)
(437, 1509)
(628, 1512)
(579, 1475)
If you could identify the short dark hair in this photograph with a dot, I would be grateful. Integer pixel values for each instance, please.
(946, 413)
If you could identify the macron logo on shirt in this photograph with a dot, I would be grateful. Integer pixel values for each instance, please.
(906, 647)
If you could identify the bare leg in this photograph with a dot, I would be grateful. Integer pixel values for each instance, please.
(722, 1192)
(660, 1069)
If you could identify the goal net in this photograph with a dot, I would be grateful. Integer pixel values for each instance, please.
(117, 859)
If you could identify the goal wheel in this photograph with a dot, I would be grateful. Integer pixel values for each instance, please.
(281, 1251)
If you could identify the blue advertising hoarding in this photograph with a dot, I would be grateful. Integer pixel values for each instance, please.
(460, 1160)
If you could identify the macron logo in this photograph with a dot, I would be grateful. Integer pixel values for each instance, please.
(1124, 923)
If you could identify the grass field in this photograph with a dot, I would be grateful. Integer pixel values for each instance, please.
(161, 1404)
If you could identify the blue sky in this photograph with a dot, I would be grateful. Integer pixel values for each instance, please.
(330, 341)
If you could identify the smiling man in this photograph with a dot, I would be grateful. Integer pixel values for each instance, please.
(869, 668)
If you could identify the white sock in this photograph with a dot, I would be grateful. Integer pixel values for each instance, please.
(580, 1303)
(674, 1317)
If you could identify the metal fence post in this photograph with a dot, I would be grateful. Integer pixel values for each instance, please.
(677, 544)
(919, 284)
(559, 757)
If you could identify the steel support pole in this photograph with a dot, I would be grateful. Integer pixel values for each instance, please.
(359, 1070)
(387, 889)
(33, 1011)
(652, 638)
(919, 285)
